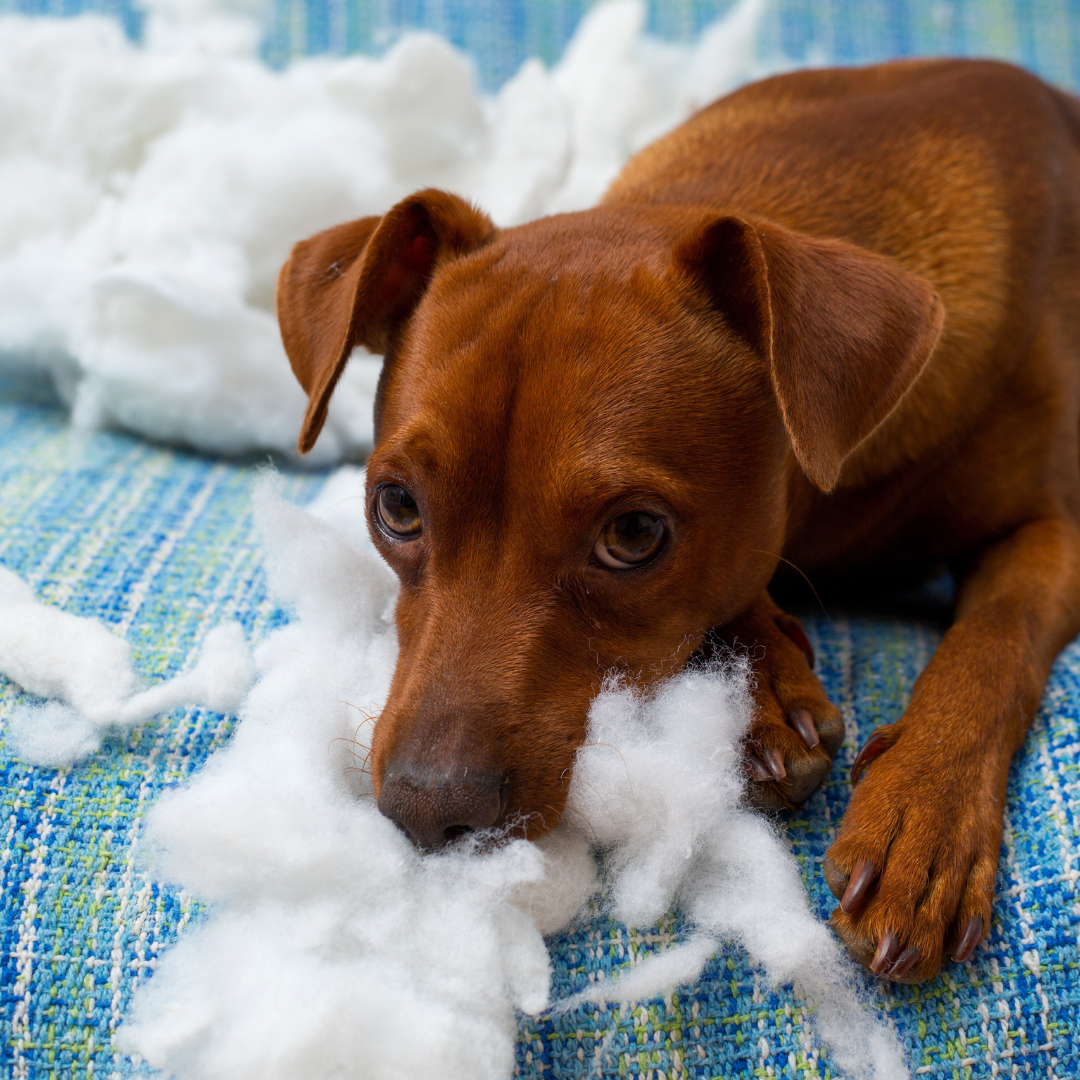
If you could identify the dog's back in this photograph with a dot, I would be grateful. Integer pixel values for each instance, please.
(968, 174)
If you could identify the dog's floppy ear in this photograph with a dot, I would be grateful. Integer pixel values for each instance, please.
(357, 283)
(843, 331)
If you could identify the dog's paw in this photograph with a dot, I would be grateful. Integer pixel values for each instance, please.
(797, 730)
(915, 860)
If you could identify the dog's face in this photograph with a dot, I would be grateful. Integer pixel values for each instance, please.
(582, 464)
(537, 486)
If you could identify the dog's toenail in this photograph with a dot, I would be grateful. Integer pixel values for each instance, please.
(804, 775)
(757, 768)
(803, 723)
(877, 743)
(836, 878)
(860, 881)
(885, 957)
(830, 731)
(775, 761)
(904, 962)
(972, 934)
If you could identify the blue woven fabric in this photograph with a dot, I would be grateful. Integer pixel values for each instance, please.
(1043, 35)
(160, 545)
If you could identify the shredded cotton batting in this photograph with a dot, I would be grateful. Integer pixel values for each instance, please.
(332, 947)
(149, 195)
(85, 671)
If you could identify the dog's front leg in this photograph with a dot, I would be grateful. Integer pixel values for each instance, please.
(916, 858)
(796, 730)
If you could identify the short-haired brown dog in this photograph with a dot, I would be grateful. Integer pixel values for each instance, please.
(834, 317)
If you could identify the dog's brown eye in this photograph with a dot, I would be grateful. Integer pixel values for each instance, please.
(397, 512)
(630, 540)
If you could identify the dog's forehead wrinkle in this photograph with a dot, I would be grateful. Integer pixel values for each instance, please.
(559, 358)
(596, 484)
(416, 447)
(580, 463)
(476, 314)
(446, 464)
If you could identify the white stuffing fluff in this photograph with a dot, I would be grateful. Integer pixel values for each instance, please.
(332, 948)
(149, 195)
(56, 655)
(87, 672)
(661, 787)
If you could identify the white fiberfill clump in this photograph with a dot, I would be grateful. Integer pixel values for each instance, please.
(333, 948)
(149, 195)
(86, 673)
(669, 804)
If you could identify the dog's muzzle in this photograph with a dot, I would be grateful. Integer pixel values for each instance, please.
(435, 809)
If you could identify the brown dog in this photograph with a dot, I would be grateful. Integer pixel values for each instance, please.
(833, 317)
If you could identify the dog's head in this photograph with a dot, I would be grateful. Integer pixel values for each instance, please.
(586, 435)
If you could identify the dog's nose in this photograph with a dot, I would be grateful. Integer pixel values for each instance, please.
(436, 809)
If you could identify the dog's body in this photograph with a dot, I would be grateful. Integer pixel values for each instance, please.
(834, 317)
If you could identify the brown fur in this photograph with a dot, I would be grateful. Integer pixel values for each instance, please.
(832, 317)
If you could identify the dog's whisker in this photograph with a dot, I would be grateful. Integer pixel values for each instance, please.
(799, 570)
(349, 740)
(584, 817)
(349, 745)
(343, 701)
(352, 748)
(368, 717)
